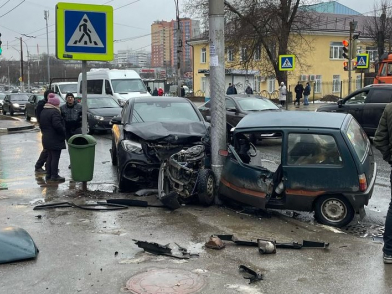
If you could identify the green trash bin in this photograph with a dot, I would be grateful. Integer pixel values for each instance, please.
(82, 153)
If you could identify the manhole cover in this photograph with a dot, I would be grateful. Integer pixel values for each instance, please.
(165, 281)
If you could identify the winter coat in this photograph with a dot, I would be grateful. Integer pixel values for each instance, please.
(160, 92)
(307, 90)
(72, 116)
(282, 93)
(383, 137)
(52, 128)
(230, 90)
(299, 89)
(155, 92)
(249, 90)
(234, 90)
(182, 92)
(38, 109)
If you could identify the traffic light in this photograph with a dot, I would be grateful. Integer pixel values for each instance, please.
(346, 49)
(345, 65)
(1, 50)
(354, 46)
(355, 64)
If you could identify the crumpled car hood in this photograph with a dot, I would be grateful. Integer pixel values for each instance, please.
(169, 132)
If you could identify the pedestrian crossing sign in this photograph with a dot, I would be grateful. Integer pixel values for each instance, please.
(84, 31)
(363, 60)
(286, 62)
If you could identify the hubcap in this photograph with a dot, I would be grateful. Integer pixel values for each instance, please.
(210, 186)
(334, 210)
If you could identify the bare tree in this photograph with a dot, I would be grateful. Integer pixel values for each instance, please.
(265, 28)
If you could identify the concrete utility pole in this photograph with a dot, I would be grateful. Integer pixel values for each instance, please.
(28, 65)
(46, 16)
(217, 86)
(21, 66)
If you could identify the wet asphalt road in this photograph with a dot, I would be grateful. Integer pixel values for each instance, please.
(19, 151)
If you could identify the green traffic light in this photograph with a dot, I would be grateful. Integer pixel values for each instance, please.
(1, 51)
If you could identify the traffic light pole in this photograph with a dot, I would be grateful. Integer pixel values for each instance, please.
(350, 54)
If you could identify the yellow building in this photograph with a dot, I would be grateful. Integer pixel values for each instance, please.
(321, 63)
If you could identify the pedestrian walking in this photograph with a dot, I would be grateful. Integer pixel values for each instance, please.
(44, 154)
(71, 112)
(230, 90)
(383, 142)
(160, 92)
(299, 89)
(282, 94)
(306, 94)
(53, 136)
(249, 90)
(182, 91)
(155, 92)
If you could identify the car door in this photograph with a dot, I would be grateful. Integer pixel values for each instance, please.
(375, 104)
(30, 106)
(245, 183)
(355, 104)
(6, 104)
(233, 114)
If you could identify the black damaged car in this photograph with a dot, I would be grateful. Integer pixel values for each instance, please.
(148, 132)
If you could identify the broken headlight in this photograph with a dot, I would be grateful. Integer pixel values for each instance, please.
(132, 146)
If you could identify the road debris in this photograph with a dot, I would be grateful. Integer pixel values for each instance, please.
(159, 249)
(251, 275)
(215, 243)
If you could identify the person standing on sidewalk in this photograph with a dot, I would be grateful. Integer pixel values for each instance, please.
(71, 112)
(383, 142)
(306, 94)
(282, 94)
(299, 89)
(44, 154)
(53, 136)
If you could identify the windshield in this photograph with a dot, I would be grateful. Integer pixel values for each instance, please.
(68, 88)
(164, 112)
(19, 97)
(102, 102)
(255, 104)
(358, 139)
(128, 85)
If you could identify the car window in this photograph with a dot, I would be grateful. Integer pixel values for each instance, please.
(68, 88)
(312, 149)
(32, 98)
(384, 70)
(380, 96)
(128, 85)
(163, 112)
(93, 86)
(230, 104)
(358, 98)
(358, 139)
(254, 104)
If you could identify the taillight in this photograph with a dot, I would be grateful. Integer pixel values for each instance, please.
(362, 182)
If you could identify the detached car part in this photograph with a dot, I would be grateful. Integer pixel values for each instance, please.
(254, 276)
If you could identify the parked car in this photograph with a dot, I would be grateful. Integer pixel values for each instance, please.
(149, 131)
(15, 102)
(326, 165)
(32, 102)
(101, 109)
(2, 96)
(366, 105)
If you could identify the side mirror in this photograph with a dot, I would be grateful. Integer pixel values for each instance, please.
(340, 103)
(116, 120)
(208, 118)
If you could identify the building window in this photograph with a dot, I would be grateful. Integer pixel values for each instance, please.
(336, 83)
(203, 57)
(317, 84)
(270, 85)
(230, 55)
(243, 55)
(203, 84)
(257, 55)
(373, 53)
(336, 50)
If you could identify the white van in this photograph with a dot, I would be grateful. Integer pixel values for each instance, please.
(121, 84)
(62, 88)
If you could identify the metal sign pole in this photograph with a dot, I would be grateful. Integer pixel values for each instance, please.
(84, 97)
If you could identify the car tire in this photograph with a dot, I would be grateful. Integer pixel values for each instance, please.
(11, 113)
(28, 118)
(113, 153)
(120, 179)
(333, 210)
(206, 187)
(4, 112)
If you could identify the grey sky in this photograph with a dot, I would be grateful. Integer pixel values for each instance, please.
(132, 20)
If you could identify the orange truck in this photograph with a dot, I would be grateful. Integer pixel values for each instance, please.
(384, 73)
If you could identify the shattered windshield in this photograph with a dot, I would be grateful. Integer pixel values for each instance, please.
(164, 112)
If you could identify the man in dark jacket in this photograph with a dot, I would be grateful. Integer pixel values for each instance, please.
(182, 91)
(44, 154)
(71, 112)
(299, 89)
(53, 136)
(383, 142)
(230, 90)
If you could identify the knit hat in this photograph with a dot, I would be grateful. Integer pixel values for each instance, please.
(53, 99)
(281, 83)
(69, 94)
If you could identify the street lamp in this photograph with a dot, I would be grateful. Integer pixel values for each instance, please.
(28, 63)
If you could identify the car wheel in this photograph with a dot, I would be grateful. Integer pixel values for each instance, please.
(206, 187)
(113, 153)
(333, 210)
(28, 118)
(11, 113)
(121, 180)
(4, 112)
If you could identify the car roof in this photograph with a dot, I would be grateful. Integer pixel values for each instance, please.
(62, 83)
(379, 85)
(300, 119)
(159, 99)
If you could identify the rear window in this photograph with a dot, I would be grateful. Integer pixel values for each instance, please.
(358, 139)
(164, 112)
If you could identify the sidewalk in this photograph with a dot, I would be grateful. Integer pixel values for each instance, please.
(13, 124)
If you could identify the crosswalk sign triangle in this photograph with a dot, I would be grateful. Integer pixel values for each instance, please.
(85, 35)
(361, 62)
(287, 63)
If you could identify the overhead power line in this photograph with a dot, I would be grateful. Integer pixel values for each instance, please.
(13, 8)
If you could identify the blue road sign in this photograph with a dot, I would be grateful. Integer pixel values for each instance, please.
(363, 60)
(85, 31)
(286, 62)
